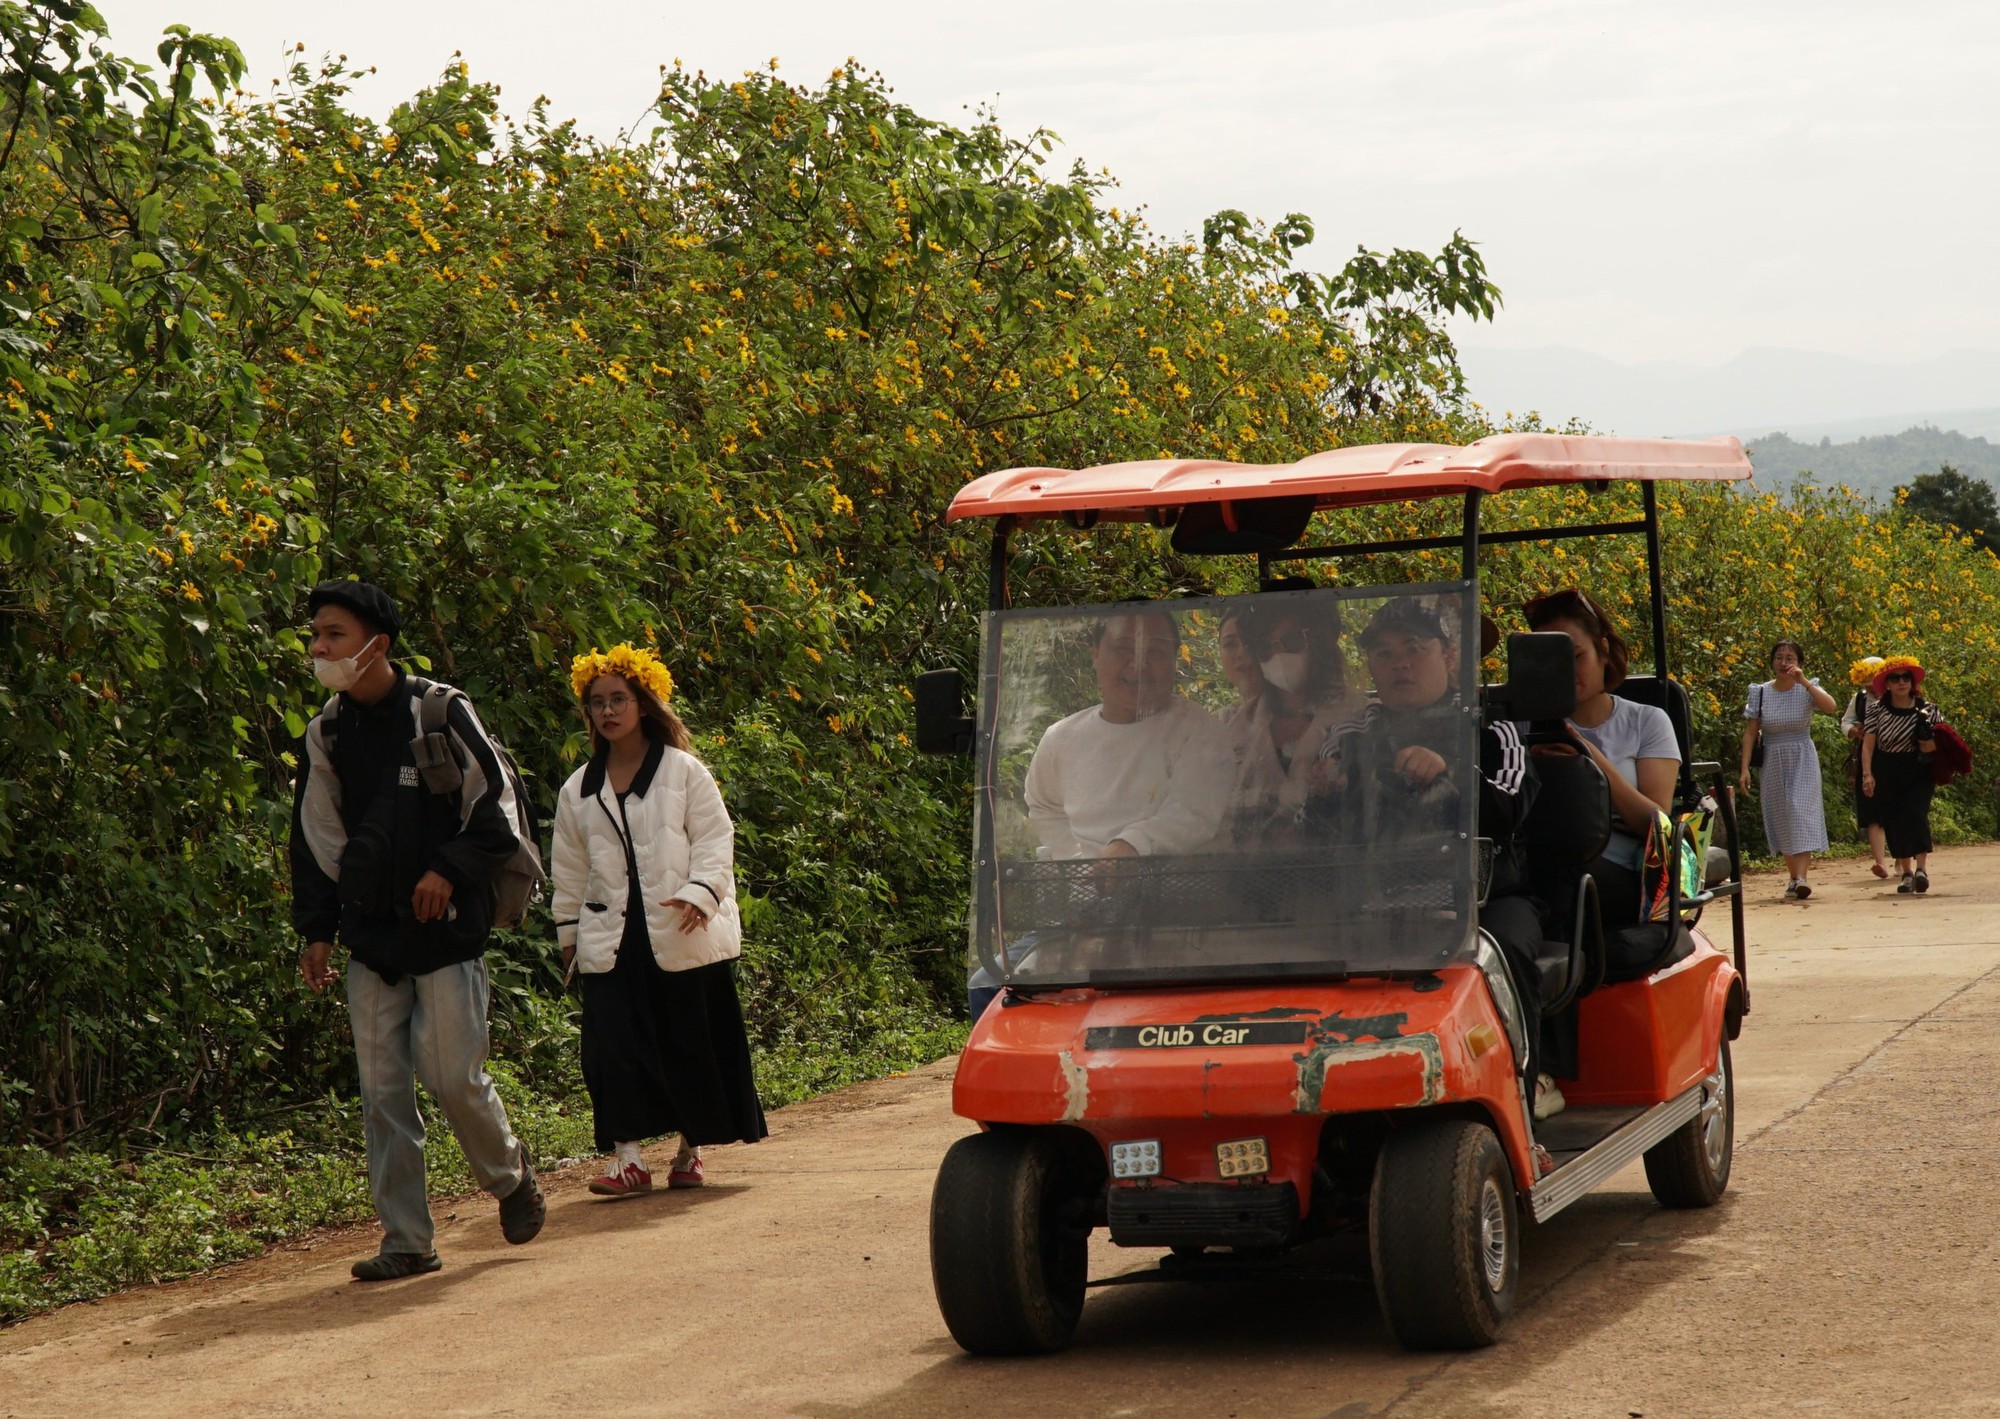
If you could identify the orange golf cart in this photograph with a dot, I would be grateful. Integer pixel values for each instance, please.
(1246, 1040)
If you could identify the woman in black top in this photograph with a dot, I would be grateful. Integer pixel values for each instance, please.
(1896, 766)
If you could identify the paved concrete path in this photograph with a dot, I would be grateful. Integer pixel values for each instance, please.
(1853, 1269)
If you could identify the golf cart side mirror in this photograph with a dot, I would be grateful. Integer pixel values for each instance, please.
(1541, 678)
(942, 725)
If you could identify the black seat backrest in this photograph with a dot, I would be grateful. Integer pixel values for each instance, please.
(1570, 821)
(1669, 696)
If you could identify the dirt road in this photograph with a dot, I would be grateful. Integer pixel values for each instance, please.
(1853, 1269)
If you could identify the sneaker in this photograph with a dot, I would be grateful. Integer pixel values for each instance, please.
(1792, 890)
(1905, 884)
(688, 1175)
(1920, 881)
(1549, 1099)
(523, 1210)
(395, 1265)
(1805, 889)
(628, 1181)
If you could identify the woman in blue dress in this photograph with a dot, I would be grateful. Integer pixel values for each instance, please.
(1794, 800)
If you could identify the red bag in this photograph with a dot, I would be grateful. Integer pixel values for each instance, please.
(1953, 758)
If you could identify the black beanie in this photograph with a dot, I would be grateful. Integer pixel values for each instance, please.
(365, 599)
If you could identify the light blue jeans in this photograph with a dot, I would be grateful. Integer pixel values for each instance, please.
(430, 1027)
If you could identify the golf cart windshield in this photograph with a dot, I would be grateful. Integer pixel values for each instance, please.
(1264, 786)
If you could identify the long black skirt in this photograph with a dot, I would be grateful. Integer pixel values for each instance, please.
(666, 1051)
(1903, 802)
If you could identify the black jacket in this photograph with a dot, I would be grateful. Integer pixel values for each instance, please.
(365, 829)
(1381, 804)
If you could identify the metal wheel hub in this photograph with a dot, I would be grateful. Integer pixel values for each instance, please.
(1715, 1118)
(1493, 1240)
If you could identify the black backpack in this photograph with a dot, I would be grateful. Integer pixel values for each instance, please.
(520, 882)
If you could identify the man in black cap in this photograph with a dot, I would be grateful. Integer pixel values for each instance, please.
(403, 877)
(1405, 761)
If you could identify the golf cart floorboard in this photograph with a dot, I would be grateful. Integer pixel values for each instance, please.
(1574, 1130)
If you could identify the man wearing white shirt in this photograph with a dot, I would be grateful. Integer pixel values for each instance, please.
(1141, 773)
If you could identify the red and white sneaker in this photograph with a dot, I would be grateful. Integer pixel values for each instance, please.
(628, 1181)
(688, 1175)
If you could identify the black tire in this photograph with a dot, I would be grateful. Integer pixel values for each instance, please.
(1444, 1235)
(1009, 1249)
(1690, 1166)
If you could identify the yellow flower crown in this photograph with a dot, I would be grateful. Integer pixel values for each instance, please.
(635, 663)
(1898, 662)
(1863, 670)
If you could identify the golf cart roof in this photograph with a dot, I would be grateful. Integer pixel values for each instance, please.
(1346, 477)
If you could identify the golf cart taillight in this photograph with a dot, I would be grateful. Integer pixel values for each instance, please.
(1136, 1160)
(1245, 1158)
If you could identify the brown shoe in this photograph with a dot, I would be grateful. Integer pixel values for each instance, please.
(395, 1265)
(523, 1210)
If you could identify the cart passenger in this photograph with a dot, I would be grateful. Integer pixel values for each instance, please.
(1239, 665)
(1286, 742)
(1407, 739)
(1142, 772)
(1633, 744)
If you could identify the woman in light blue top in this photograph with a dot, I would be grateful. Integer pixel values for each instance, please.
(1781, 709)
(1633, 744)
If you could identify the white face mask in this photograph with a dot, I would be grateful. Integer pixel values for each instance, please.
(1288, 671)
(341, 674)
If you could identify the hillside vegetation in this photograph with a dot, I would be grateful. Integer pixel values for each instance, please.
(710, 390)
(1875, 466)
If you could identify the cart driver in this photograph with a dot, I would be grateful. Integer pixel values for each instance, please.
(1403, 757)
(1144, 771)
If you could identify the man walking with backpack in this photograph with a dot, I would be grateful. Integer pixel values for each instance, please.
(405, 818)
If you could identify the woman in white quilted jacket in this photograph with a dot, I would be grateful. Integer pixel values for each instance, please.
(645, 907)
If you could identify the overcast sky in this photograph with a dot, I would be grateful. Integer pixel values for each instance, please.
(1676, 179)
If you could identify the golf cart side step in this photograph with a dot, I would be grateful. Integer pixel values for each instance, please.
(1592, 1167)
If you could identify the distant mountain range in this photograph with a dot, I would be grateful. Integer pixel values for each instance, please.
(1799, 392)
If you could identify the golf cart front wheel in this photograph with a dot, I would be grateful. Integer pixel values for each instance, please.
(1009, 1249)
(1444, 1234)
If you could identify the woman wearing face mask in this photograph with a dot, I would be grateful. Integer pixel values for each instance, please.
(1286, 740)
(645, 907)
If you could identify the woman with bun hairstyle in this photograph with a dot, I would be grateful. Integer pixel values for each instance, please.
(1896, 751)
(644, 896)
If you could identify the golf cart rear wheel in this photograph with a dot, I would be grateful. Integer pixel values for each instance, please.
(1444, 1235)
(1009, 1248)
(1690, 1166)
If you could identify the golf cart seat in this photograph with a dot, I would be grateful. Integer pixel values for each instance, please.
(1669, 696)
(1564, 831)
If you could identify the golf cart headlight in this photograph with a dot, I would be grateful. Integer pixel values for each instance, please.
(1244, 1158)
(1140, 1159)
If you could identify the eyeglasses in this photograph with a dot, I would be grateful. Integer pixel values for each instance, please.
(1900, 675)
(608, 706)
